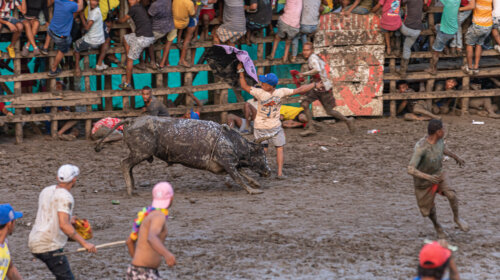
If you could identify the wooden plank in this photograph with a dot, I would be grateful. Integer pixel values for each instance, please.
(50, 103)
(441, 94)
(485, 72)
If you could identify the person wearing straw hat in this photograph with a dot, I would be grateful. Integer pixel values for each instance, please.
(54, 224)
(8, 218)
(145, 243)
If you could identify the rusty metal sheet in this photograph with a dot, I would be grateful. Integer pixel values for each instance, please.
(353, 55)
(336, 29)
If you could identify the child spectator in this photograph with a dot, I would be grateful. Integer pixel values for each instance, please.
(207, 14)
(108, 16)
(15, 26)
(309, 21)
(95, 35)
(288, 26)
(31, 24)
(60, 31)
(434, 259)
(466, 7)
(136, 42)
(163, 24)
(258, 15)
(360, 7)
(234, 23)
(183, 12)
(343, 6)
(445, 32)
(411, 29)
(482, 22)
(390, 20)
(496, 24)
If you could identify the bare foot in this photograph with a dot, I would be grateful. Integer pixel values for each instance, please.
(462, 225)
(350, 125)
(184, 64)
(307, 132)
(441, 233)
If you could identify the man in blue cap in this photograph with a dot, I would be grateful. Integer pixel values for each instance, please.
(7, 222)
(267, 122)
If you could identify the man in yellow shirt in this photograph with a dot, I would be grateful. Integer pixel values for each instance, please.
(292, 116)
(7, 222)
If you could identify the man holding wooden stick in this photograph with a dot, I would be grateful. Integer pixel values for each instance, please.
(145, 243)
(54, 224)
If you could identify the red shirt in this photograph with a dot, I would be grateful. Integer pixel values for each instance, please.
(107, 122)
(2, 106)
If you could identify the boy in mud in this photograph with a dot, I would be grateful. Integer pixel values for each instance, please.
(318, 72)
(153, 106)
(419, 110)
(426, 168)
(145, 243)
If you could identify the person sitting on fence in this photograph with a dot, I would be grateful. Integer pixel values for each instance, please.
(108, 9)
(94, 37)
(418, 110)
(15, 25)
(31, 24)
(4, 111)
(163, 25)
(479, 30)
(60, 31)
(445, 32)
(342, 7)
(288, 27)
(171, 35)
(136, 42)
(410, 28)
(466, 7)
(102, 127)
(496, 24)
(360, 7)
(234, 23)
(390, 20)
(317, 69)
(207, 14)
(258, 15)
(153, 106)
(183, 12)
(309, 21)
(292, 117)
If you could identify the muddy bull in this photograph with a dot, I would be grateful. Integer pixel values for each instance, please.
(197, 144)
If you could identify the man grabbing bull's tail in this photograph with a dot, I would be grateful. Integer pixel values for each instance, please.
(268, 99)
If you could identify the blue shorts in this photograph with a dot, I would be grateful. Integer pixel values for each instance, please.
(62, 43)
(442, 39)
(11, 20)
(255, 26)
(193, 21)
(106, 30)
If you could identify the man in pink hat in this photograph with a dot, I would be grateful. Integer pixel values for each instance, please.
(145, 243)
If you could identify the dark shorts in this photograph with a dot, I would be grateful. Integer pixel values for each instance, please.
(62, 42)
(255, 26)
(59, 266)
(82, 46)
(11, 20)
(106, 30)
(192, 22)
(325, 97)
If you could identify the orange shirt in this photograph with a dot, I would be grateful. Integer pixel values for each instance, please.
(482, 13)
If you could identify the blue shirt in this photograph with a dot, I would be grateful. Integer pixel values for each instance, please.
(62, 21)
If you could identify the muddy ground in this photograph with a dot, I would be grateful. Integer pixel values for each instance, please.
(345, 213)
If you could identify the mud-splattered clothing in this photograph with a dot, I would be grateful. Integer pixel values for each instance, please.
(156, 108)
(268, 107)
(427, 158)
(316, 63)
(46, 235)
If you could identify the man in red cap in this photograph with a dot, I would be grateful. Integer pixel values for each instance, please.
(145, 243)
(434, 259)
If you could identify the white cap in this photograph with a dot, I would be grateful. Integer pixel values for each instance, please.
(67, 172)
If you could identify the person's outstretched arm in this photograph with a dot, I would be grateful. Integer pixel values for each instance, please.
(459, 161)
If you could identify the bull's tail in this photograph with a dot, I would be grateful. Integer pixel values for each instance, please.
(99, 145)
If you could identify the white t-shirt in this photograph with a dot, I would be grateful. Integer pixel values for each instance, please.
(95, 36)
(315, 62)
(46, 235)
(496, 8)
(268, 107)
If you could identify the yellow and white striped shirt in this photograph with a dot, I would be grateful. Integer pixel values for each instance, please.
(482, 13)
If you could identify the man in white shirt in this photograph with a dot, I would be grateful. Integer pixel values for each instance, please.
(267, 122)
(53, 223)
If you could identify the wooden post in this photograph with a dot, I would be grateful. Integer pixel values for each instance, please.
(18, 91)
(392, 88)
(88, 123)
(123, 10)
(465, 101)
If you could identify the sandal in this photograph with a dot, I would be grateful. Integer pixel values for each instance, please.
(158, 67)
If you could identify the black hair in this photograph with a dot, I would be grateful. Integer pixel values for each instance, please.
(437, 272)
(2, 226)
(403, 82)
(433, 126)
(147, 88)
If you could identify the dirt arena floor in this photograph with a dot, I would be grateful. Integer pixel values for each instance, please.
(348, 212)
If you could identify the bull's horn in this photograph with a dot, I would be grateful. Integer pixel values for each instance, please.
(262, 139)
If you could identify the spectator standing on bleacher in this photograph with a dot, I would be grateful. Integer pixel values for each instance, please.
(445, 32)
(31, 24)
(390, 20)
(60, 30)
(183, 11)
(207, 14)
(482, 22)
(466, 7)
(15, 25)
(94, 37)
(163, 25)
(234, 23)
(309, 21)
(107, 8)
(171, 35)
(360, 7)
(496, 24)
(411, 28)
(258, 15)
(288, 26)
(136, 42)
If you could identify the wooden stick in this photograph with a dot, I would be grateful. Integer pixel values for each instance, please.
(105, 245)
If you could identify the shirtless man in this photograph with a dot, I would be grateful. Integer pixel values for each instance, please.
(324, 95)
(426, 168)
(419, 110)
(145, 243)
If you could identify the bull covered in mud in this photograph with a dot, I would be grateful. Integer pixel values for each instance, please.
(197, 144)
